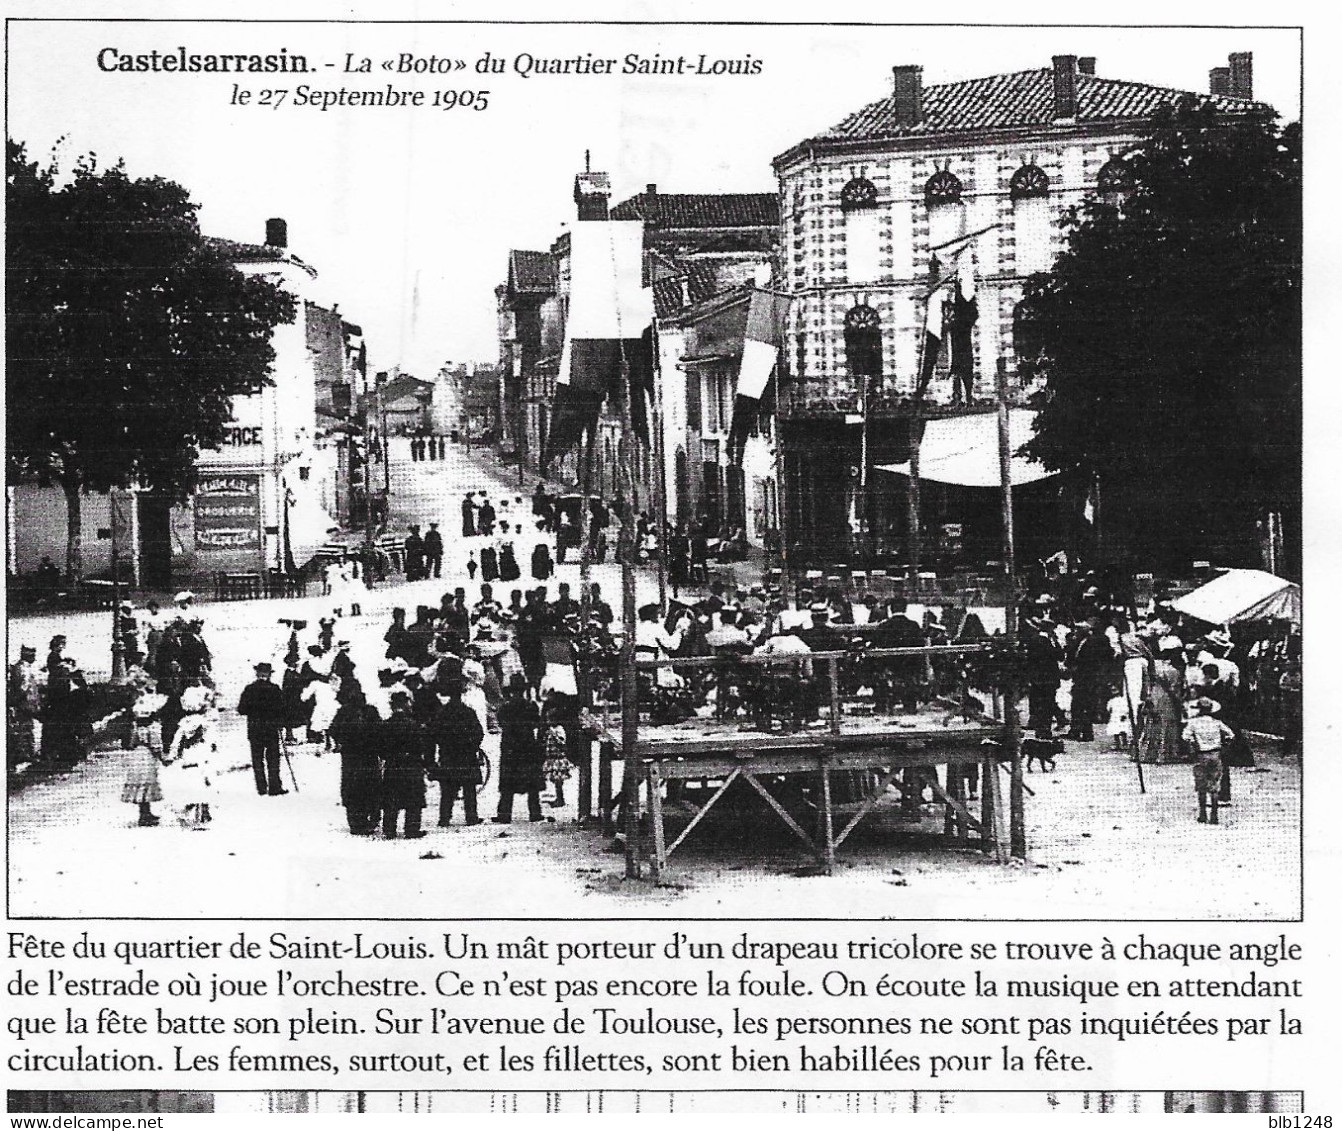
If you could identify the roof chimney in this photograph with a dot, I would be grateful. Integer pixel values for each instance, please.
(651, 190)
(1241, 74)
(1086, 65)
(908, 95)
(1219, 79)
(277, 233)
(591, 193)
(1064, 86)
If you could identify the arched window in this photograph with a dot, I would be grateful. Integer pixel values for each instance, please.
(945, 212)
(1114, 179)
(943, 187)
(1029, 181)
(862, 344)
(862, 232)
(857, 193)
(1032, 220)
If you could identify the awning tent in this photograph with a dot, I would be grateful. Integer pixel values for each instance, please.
(1242, 594)
(962, 450)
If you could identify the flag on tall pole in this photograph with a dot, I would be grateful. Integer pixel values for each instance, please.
(933, 331)
(963, 313)
(610, 311)
(766, 326)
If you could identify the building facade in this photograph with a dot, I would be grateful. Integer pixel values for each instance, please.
(266, 497)
(702, 251)
(871, 212)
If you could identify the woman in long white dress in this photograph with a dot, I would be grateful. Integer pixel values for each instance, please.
(322, 694)
(188, 774)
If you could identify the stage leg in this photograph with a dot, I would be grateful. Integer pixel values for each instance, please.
(655, 818)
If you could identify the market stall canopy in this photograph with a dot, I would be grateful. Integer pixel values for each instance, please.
(963, 450)
(1242, 594)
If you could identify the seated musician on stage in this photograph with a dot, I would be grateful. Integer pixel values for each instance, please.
(898, 677)
(783, 688)
(653, 641)
(728, 640)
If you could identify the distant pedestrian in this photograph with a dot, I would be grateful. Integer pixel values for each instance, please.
(402, 745)
(468, 528)
(188, 777)
(23, 704)
(144, 754)
(355, 731)
(414, 555)
(1206, 736)
(521, 752)
(457, 733)
(433, 552)
(262, 705)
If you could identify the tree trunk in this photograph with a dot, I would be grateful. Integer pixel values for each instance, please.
(72, 483)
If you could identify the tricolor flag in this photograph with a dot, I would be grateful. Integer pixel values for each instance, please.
(561, 673)
(766, 325)
(964, 312)
(952, 309)
(610, 311)
(933, 330)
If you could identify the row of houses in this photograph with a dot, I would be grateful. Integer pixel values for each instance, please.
(290, 468)
(861, 220)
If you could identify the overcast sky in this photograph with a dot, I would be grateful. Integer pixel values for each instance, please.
(409, 214)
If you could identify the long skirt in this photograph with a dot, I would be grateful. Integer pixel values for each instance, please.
(489, 564)
(1161, 727)
(141, 785)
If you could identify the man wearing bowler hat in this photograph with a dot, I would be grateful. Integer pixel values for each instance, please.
(262, 704)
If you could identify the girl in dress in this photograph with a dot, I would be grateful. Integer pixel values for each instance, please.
(1120, 722)
(144, 750)
(322, 693)
(557, 768)
(188, 767)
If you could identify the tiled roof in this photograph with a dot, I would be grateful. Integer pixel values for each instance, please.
(668, 295)
(700, 209)
(1024, 98)
(531, 272)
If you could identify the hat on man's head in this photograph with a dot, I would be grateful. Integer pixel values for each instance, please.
(1206, 706)
(265, 667)
(27, 650)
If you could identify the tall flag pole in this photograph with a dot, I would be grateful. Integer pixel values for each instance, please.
(766, 324)
(609, 321)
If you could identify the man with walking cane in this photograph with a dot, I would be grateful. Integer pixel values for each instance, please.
(262, 704)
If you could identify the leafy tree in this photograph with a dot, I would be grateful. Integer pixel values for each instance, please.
(127, 332)
(1170, 336)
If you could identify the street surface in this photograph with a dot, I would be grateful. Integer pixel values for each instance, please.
(1098, 847)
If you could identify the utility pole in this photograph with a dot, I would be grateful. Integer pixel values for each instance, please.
(117, 502)
(1009, 697)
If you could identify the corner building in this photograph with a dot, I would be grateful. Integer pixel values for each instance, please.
(864, 206)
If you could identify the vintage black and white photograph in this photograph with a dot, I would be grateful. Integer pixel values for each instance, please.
(654, 470)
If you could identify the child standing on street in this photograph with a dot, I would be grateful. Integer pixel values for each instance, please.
(1206, 736)
(1120, 722)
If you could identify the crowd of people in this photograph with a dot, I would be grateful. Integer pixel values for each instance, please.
(1153, 677)
(503, 656)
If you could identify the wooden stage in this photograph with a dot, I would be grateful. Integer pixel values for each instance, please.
(934, 749)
